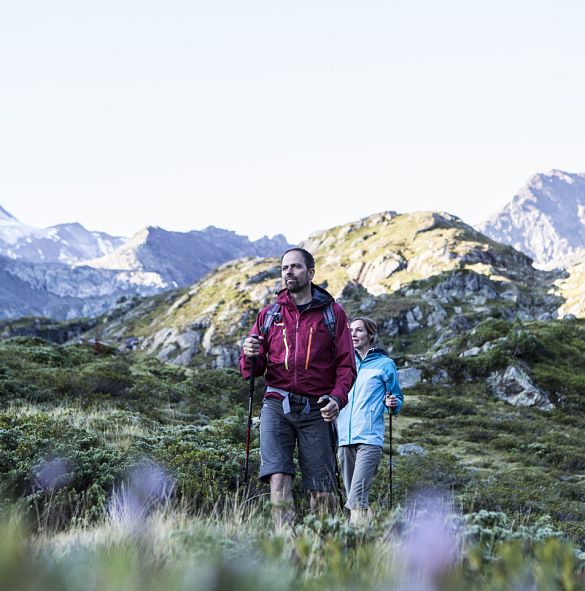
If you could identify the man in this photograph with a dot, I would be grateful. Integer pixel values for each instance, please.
(310, 367)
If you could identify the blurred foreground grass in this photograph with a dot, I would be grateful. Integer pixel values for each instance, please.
(427, 546)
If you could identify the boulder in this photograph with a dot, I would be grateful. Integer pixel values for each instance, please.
(473, 352)
(465, 286)
(514, 386)
(440, 376)
(224, 356)
(441, 352)
(411, 449)
(414, 317)
(409, 377)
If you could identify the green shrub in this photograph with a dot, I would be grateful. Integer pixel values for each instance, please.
(488, 330)
(55, 471)
(206, 462)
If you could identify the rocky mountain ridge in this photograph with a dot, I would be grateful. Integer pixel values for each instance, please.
(58, 291)
(6, 216)
(451, 305)
(180, 258)
(63, 243)
(545, 219)
(44, 272)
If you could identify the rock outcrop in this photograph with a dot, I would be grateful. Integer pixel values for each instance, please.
(409, 377)
(513, 385)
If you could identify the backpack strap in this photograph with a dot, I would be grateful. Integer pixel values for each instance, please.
(329, 319)
(274, 314)
(271, 315)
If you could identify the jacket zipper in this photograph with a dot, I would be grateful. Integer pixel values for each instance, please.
(296, 349)
(362, 361)
(352, 401)
(285, 348)
(309, 348)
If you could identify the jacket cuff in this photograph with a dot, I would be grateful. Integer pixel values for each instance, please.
(337, 399)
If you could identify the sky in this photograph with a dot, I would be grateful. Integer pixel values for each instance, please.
(269, 117)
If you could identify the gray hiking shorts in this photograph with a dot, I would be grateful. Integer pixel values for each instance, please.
(279, 433)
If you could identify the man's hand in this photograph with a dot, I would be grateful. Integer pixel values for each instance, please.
(251, 346)
(391, 401)
(330, 410)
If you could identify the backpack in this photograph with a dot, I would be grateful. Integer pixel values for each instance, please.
(274, 314)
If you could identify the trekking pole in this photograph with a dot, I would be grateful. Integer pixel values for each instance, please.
(390, 454)
(333, 435)
(334, 440)
(250, 401)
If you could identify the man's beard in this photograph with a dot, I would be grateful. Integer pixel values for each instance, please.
(296, 284)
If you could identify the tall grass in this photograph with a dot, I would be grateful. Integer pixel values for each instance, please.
(426, 546)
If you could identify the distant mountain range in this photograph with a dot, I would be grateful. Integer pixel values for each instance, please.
(180, 258)
(64, 243)
(66, 271)
(545, 219)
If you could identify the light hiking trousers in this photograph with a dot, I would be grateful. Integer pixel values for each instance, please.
(359, 463)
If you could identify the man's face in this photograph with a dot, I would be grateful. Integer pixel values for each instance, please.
(295, 274)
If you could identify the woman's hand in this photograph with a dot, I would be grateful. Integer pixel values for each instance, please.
(391, 401)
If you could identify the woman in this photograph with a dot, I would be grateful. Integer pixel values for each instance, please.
(361, 422)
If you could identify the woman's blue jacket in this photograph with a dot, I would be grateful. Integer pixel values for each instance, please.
(362, 419)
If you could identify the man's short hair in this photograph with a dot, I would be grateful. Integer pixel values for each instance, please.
(307, 256)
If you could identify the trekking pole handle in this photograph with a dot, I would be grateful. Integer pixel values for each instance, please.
(254, 357)
(324, 400)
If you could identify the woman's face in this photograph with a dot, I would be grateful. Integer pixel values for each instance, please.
(359, 335)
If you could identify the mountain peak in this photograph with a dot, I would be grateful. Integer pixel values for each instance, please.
(64, 243)
(6, 216)
(545, 219)
(568, 177)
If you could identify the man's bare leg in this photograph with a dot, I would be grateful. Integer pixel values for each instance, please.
(283, 510)
(322, 502)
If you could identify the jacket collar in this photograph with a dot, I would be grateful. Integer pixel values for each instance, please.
(373, 353)
(321, 297)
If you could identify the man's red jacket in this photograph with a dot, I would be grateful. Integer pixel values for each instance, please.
(298, 354)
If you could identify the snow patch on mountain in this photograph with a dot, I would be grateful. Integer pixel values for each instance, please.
(63, 243)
